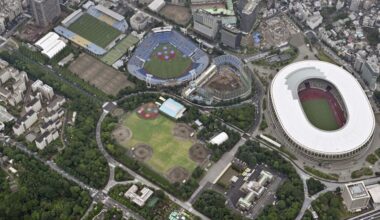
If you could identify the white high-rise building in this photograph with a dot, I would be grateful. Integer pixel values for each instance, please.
(355, 196)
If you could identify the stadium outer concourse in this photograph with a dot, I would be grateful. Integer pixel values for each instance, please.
(350, 140)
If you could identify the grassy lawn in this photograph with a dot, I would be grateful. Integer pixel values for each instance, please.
(94, 30)
(364, 171)
(321, 174)
(167, 69)
(319, 114)
(168, 151)
(224, 180)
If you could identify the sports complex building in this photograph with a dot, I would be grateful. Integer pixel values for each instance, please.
(97, 30)
(164, 49)
(321, 110)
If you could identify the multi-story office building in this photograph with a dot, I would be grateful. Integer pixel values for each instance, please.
(230, 37)
(45, 11)
(206, 24)
(248, 15)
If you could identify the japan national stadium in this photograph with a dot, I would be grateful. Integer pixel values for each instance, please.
(321, 110)
(165, 57)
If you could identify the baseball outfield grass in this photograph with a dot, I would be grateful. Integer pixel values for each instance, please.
(320, 114)
(167, 69)
(168, 151)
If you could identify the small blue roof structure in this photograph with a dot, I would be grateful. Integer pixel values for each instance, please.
(172, 108)
(256, 37)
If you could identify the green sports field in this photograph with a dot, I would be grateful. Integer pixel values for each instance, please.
(320, 114)
(119, 50)
(94, 30)
(167, 69)
(168, 151)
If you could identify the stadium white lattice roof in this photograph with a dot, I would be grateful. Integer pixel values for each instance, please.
(51, 44)
(360, 118)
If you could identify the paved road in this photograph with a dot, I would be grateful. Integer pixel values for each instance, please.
(88, 211)
(256, 57)
(372, 215)
(216, 170)
(139, 178)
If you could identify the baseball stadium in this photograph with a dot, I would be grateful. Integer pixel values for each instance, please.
(97, 30)
(224, 80)
(167, 58)
(321, 110)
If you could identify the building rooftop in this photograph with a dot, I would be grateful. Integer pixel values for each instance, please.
(172, 108)
(110, 13)
(374, 191)
(250, 6)
(219, 139)
(357, 190)
(51, 44)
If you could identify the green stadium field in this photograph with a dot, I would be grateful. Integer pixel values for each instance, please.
(168, 151)
(167, 69)
(119, 50)
(94, 30)
(319, 113)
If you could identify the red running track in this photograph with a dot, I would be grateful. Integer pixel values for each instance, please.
(313, 93)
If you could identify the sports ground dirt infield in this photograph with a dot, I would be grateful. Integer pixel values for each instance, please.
(98, 74)
(121, 134)
(182, 130)
(179, 14)
(142, 152)
(165, 152)
(148, 111)
(198, 153)
(225, 80)
(177, 174)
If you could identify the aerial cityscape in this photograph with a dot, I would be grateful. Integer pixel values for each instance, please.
(190, 109)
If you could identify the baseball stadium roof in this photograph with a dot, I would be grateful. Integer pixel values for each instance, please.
(360, 123)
